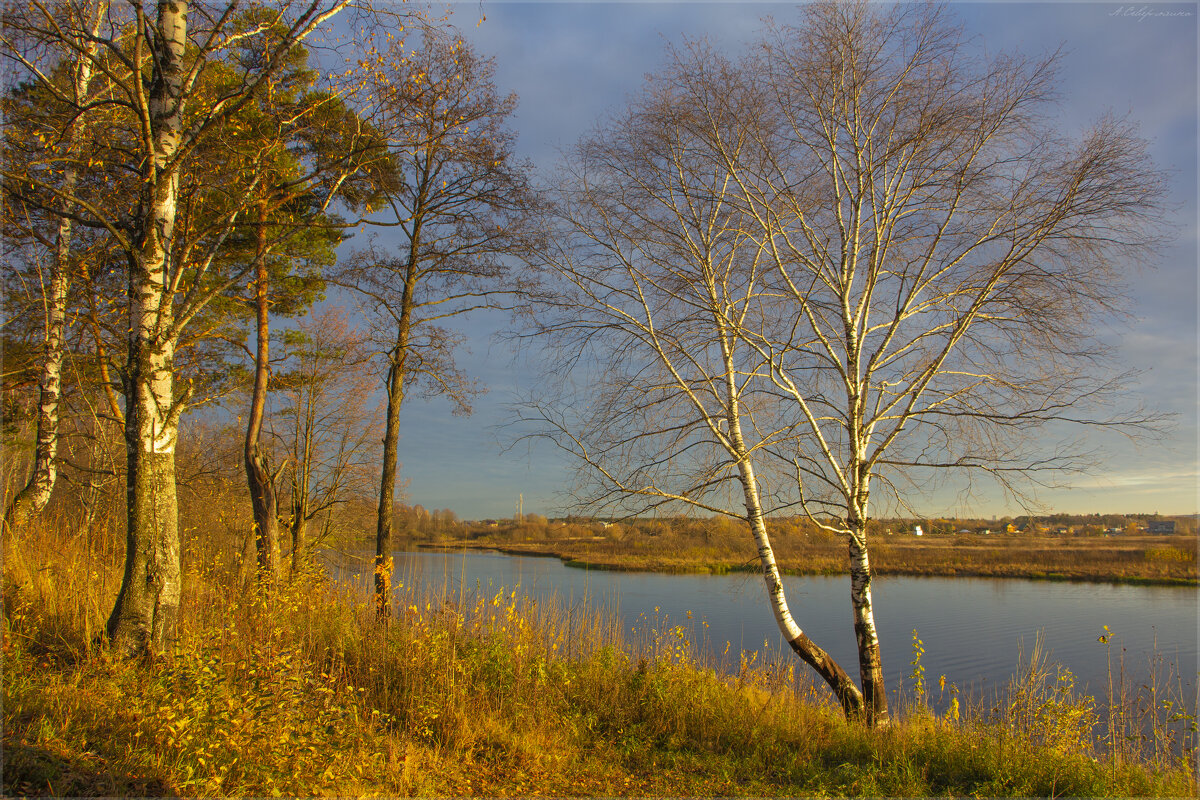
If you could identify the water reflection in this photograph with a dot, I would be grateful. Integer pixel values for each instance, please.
(972, 628)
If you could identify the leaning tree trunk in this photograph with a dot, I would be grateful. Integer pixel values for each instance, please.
(36, 493)
(847, 694)
(258, 473)
(145, 617)
(870, 660)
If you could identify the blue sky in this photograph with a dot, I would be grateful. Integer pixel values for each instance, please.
(572, 62)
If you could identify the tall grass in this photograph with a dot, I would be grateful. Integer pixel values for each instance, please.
(298, 691)
(1154, 720)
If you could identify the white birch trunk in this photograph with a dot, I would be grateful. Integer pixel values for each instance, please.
(870, 659)
(812, 654)
(146, 613)
(36, 493)
(848, 695)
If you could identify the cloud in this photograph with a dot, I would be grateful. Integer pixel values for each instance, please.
(1157, 478)
(572, 62)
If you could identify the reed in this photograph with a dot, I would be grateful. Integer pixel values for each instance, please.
(296, 690)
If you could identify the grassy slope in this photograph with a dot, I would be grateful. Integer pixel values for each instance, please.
(301, 694)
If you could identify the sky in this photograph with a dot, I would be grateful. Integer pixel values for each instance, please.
(570, 63)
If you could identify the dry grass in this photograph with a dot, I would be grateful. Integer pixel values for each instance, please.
(299, 692)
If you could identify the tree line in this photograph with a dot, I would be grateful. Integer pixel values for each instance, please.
(805, 280)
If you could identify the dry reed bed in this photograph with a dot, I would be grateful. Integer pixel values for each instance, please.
(1169, 560)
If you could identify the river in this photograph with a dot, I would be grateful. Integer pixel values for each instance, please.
(972, 628)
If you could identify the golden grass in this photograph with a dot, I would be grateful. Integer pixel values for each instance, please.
(298, 691)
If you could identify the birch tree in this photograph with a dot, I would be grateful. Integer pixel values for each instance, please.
(653, 272)
(942, 252)
(73, 87)
(154, 61)
(933, 255)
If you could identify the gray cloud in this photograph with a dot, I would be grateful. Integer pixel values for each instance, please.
(571, 62)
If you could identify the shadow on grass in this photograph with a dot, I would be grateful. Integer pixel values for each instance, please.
(32, 771)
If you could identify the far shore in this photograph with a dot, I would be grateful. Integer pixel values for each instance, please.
(1150, 560)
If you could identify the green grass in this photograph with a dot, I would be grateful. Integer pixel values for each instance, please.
(299, 692)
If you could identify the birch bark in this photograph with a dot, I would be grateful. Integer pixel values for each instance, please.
(847, 694)
(36, 493)
(145, 617)
(870, 660)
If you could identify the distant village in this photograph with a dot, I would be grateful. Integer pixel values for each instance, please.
(417, 523)
(1043, 526)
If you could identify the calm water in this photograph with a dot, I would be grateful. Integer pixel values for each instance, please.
(972, 628)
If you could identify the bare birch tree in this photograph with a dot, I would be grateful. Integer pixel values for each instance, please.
(654, 273)
(932, 256)
(942, 252)
(78, 64)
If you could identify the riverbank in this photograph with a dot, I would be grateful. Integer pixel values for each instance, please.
(1152, 560)
(300, 692)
